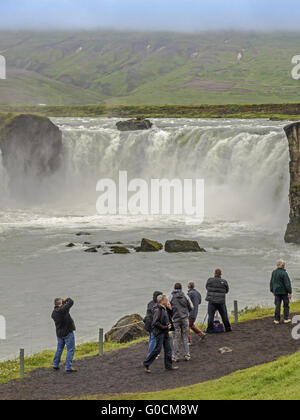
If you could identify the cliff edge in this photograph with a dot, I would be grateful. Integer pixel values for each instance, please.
(293, 230)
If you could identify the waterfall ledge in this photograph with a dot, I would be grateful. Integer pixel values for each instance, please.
(293, 230)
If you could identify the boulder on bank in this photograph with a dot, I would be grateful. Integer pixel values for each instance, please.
(183, 246)
(149, 246)
(134, 124)
(128, 329)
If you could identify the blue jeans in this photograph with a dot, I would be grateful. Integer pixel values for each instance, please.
(152, 343)
(69, 342)
(162, 341)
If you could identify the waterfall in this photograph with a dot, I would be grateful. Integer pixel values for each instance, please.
(244, 163)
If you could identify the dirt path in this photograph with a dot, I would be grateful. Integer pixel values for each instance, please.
(253, 343)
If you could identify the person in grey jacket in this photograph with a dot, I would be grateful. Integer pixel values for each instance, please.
(217, 289)
(196, 300)
(181, 306)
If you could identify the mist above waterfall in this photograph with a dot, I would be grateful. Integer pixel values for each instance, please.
(244, 164)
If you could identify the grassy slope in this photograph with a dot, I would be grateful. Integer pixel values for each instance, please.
(148, 68)
(276, 111)
(273, 381)
(278, 380)
(10, 370)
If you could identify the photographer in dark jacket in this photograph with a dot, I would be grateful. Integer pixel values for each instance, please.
(65, 328)
(149, 320)
(161, 326)
(217, 289)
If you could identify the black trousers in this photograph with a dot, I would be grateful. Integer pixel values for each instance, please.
(286, 305)
(162, 341)
(212, 309)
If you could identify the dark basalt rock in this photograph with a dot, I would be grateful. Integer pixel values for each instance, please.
(293, 229)
(71, 245)
(31, 147)
(149, 246)
(134, 124)
(83, 234)
(127, 329)
(183, 246)
(91, 250)
(119, 250)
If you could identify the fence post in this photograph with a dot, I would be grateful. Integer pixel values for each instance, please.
(101, 338)
(22, 363)
(236, 312)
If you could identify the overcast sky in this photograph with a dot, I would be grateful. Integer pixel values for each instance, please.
(180, 15)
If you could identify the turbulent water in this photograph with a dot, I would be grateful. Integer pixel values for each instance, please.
(245, 167)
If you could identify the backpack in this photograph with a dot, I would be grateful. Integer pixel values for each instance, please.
(149, 317)
(218, 327)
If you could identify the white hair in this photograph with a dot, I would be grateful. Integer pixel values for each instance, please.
(280, 264)
(160, 298)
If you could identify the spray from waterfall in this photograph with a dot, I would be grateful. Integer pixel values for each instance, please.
(244, 164)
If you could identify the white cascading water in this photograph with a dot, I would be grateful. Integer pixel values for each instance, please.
(244, 163)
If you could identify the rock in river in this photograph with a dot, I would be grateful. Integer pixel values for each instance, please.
(134, 125)
(149, 246)
(183, 246)
(119, 250)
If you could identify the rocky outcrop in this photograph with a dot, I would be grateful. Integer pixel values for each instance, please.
(128, 329)
(183, 246)
(134, 124)
(31, 141)
(149, 246)
(31, 146)
(293, 230)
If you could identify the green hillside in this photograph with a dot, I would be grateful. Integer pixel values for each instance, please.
(114, 68)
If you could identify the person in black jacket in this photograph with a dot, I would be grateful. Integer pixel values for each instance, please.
(217, 289)
(149, 320)
(161, 326)
(65, 328)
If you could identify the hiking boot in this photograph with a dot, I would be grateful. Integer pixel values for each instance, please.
(175, 360)
(173, 368)
(56, 368)
(147, 369)
(287, 321)
(203, 336)
(71, 371)
(276, 322)
(187, 358)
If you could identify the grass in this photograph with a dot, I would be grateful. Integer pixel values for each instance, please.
(273, 381)
(135, 68)
(274, 111)
(278, 380)
(10, 370)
